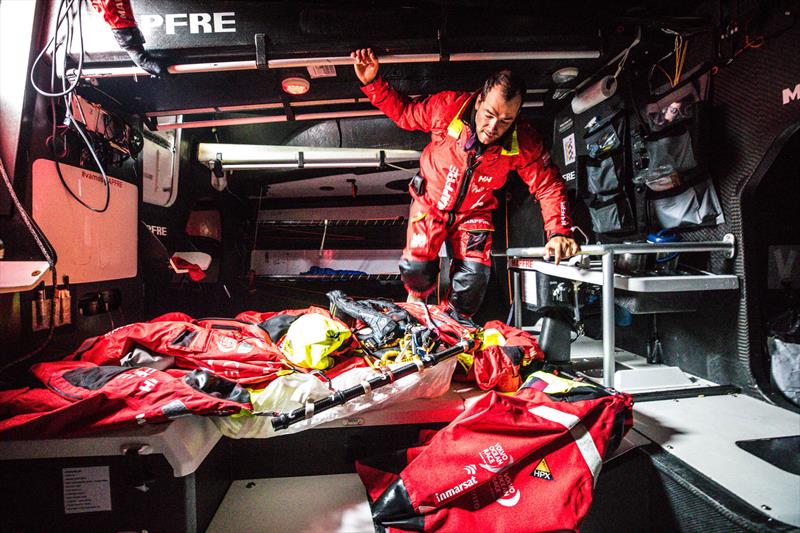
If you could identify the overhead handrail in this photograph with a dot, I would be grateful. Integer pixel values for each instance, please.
(227, 66)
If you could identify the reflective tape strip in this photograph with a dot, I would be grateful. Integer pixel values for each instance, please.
(578, 431)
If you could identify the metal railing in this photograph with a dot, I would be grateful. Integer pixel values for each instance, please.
(607, 253)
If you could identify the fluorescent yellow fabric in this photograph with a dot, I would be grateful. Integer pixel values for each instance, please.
(492, 337)
(311, 339)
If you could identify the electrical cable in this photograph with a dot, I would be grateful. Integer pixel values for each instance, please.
(54, 40)
(67, 19)
(61, 176)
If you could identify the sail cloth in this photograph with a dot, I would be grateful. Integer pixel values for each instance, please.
(508, 463)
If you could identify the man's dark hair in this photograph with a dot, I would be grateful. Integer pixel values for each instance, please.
(512, 85)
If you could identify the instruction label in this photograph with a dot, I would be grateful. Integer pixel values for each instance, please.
(86, 489)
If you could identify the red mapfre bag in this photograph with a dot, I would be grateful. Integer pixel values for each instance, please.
(508, 464)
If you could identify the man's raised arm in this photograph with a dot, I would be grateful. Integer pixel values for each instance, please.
(406, 113)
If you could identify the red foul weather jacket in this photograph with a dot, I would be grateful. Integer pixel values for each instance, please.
(81, 398)
(234, 350)
(449, 186)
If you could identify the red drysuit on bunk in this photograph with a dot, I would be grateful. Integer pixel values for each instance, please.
(235, 350)
(82, 398)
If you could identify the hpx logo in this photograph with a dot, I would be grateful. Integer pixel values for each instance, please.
(194, 22)
(790, 95)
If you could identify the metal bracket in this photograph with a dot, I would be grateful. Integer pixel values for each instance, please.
(261, 51)
(730, 238)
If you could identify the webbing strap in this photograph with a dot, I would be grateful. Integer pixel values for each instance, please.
(578, 431)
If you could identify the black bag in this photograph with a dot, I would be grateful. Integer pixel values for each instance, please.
(669, 160)
(564, 153)
(690, 205)
(604, 171)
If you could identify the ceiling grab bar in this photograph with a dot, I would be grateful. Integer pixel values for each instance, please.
(226, 66)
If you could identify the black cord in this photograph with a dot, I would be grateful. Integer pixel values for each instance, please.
(65, 16)
(61, 176)
(54, 40)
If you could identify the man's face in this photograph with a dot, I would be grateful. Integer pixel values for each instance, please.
(494, 115)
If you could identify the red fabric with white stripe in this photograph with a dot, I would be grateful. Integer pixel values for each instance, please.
(484, 471)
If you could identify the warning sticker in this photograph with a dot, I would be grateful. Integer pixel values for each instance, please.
(321, 71)
(86, 489)
(542, 471)
(569, 149)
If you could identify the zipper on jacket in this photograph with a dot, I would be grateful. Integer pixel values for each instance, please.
(472, 163)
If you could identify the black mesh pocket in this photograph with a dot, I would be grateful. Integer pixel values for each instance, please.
(673, 151)
(612, 215)
(601, 176)
(674, 108)
(602, 136)
(695, 204)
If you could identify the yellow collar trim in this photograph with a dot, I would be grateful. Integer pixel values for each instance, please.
(514, 148)
(456, 125)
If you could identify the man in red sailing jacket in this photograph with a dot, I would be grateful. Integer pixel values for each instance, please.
(475, 142)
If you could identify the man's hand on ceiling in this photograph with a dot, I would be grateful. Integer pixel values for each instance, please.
(366, 64)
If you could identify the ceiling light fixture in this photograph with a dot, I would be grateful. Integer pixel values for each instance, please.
(565, 75)
(295, 85)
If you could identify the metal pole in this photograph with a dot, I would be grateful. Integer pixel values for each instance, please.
(608, 320)
(224, 66)
(515, 280)
(725, 245)
(267, 119)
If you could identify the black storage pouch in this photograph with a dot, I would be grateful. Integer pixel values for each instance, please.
(610, 214)
(690, 205)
